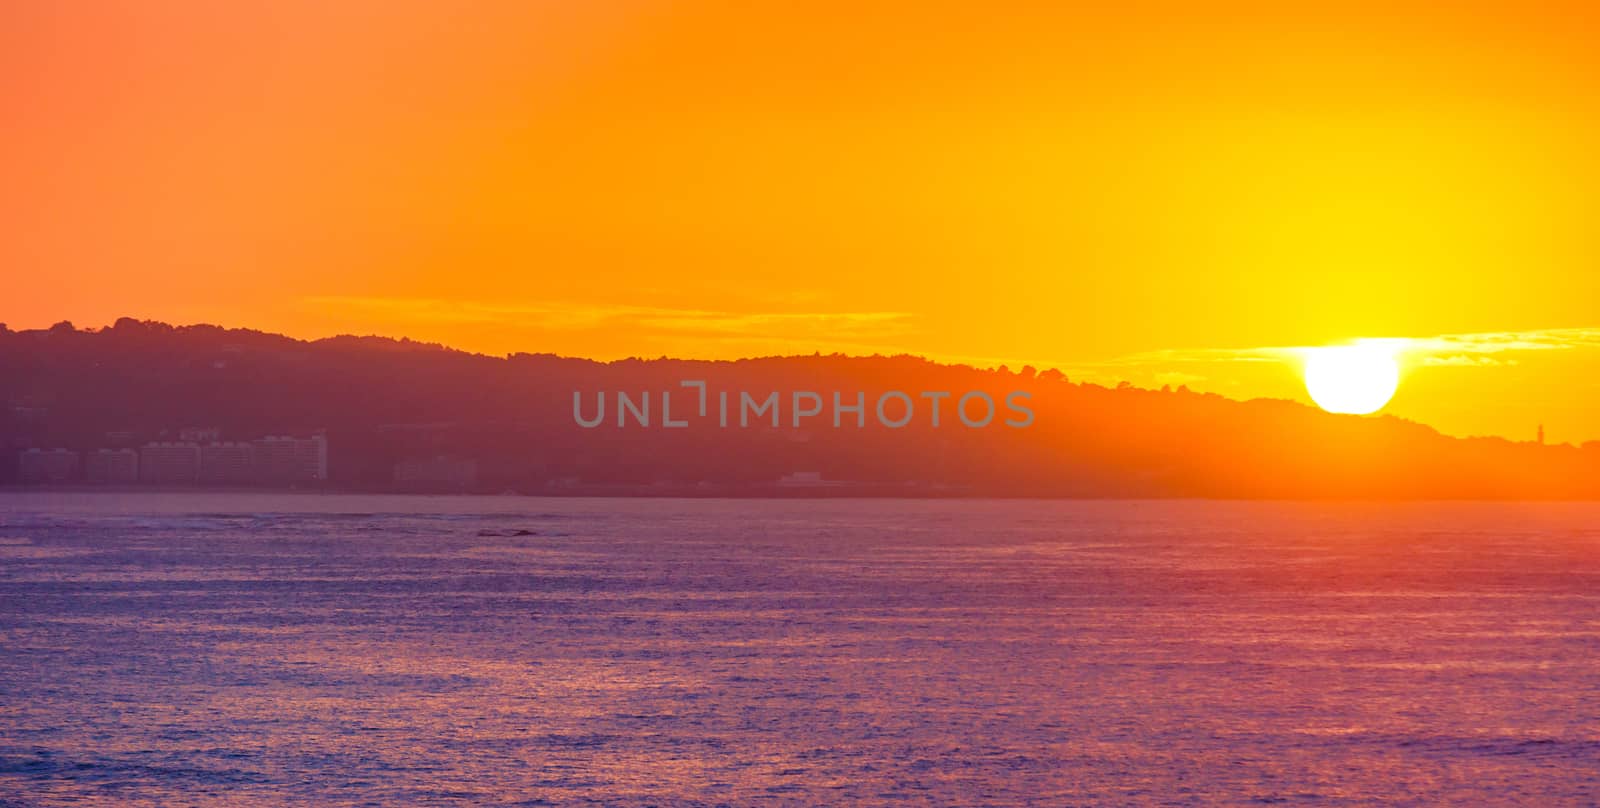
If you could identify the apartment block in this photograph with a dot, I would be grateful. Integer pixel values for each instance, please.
(111, 466)
(169, 462)
(284, 459)
(47, 465)
(228, 463)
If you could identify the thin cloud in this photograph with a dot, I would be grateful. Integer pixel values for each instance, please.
(1554, 339)
(832, 329)
(1465, 361)
(890, 332)
(1471, 350)
(1445, 350)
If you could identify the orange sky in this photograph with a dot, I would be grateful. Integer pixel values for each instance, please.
(1158, 193)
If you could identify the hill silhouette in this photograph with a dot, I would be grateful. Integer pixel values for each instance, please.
(385, 402)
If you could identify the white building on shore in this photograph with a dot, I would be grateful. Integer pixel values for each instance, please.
(169, 462)
(111, 466)
(46, 465)
(286, 459)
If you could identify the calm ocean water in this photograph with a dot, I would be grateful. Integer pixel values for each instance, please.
(244, 650)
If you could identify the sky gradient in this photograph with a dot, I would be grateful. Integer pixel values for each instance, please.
(1155, 194)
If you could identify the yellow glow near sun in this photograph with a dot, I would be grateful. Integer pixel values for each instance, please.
(1353, 379)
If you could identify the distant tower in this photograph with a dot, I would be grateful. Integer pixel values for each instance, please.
(1541, 434)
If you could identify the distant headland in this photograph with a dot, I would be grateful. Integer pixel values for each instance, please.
(145, 404)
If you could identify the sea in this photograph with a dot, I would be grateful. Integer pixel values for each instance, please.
(342, 650)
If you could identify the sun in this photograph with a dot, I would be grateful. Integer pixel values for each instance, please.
(1354, 379)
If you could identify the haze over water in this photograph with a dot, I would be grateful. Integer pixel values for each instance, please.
(248, 650)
